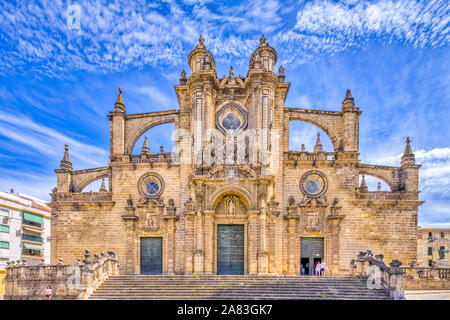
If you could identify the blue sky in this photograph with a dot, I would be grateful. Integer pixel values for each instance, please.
(58, 83)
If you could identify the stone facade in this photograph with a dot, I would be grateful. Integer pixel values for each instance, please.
(433, 245)
(278, 196)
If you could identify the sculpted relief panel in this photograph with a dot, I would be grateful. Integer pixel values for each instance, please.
(231, 205)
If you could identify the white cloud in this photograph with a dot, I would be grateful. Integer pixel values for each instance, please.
(157, 97)
(116, 36)
(47, 142)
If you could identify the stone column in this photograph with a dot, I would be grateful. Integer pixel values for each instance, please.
(292, 237)
(253, 242)
(209, 241)
(130, 219)
(199, 256)
(263, 256)
(171, 248)
(333, 242)
(189, 242)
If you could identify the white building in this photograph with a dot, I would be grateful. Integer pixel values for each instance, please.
(24, 228)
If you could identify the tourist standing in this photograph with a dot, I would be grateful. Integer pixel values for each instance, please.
(322, 268)
(48, 293)
(317, 269)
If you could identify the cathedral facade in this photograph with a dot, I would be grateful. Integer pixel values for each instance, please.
(232, 198)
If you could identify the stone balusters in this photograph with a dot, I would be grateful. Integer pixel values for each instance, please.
(378, 275)
(67, 281)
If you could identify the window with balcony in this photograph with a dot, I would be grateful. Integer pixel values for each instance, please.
(33, 220)
(32, 238)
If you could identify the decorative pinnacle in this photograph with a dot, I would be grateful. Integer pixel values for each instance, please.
(318, 147)
(348, 94)
(201, 41)
(363, 186)
(348, 102)
(231, 72)
(65, 162)
(408, 156)
(408, 150)
(145, 148)
(119, 98)
(103, 186)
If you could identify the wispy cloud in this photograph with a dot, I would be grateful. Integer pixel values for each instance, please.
(157, 97)
(44, 141)
(115, 36)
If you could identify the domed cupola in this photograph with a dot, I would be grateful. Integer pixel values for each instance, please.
(200, 58)
(264, 57)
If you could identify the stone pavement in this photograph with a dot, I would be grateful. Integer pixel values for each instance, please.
(427, 294)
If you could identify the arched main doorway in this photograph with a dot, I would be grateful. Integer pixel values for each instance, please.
(231, 221)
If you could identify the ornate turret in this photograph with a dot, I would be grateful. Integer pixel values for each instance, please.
(65, 162)
(119, 107)
(318, 147)
(264, 56)
(200, 58)
(145, 148)
(363, 186)
(349, 102)
(408, 158)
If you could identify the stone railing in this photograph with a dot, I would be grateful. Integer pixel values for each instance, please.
(77, 281)
(83, 197)
(151, 158)
(378, 275)
(430, 273)
(309, 156)
(384, 195)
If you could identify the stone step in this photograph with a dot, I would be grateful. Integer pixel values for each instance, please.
(209, 287)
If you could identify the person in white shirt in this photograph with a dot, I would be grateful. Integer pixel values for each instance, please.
(322, 268)
(317, 269)
(48, 293)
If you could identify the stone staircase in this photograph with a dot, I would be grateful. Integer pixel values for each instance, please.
(245, 287)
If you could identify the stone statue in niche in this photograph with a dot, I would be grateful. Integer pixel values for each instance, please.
(231, 206)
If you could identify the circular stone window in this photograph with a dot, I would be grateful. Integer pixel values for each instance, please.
(231, 118)
(313, 184)
(151, 185)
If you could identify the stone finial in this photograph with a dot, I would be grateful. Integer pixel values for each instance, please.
(145, 148)
(120, 106)
(348, 102)
(363, 186)
(281, 75)
(303, 147)
(262, 40)
(231, 73)
(65, 162)
(103, 186)
(318, 147)
(183, 79)
(201, 41)
(408, 158)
